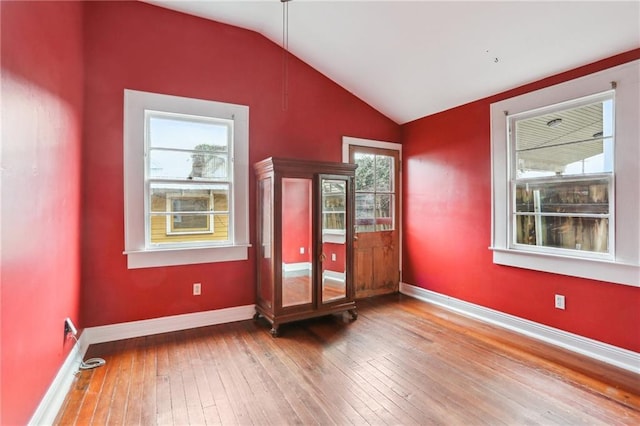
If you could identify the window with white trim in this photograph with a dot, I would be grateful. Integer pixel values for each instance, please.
(561, 171)
(566, 190)
(186, 180)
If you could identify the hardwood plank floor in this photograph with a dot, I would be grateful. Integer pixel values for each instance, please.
(402, 361)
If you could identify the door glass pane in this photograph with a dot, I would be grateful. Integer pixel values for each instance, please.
(365, 217)
(375, 192)
(384, 173)
(384, 212)
(332, 258)
(365, 173)
(297, 250)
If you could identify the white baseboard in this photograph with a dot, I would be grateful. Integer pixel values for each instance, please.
(334, 275)
(623, 358)
(127, 330)
(53, 399)
(300, 266)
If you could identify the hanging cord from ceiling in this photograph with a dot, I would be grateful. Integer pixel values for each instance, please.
(285, 54)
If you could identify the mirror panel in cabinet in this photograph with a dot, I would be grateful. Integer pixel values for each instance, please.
(332, 258)
(297, 249)
(265, 283)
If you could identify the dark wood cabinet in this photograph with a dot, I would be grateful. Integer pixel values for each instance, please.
(304, 240)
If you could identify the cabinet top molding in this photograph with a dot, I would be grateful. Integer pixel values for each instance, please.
(302, 166)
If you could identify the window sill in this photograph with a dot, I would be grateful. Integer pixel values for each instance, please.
(595, 269)
(185, 256)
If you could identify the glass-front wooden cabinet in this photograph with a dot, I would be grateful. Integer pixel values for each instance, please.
(304, 240)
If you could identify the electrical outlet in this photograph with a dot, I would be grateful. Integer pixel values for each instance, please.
(559, 301)
(333, 257)
(69, 327)
(301, 250)
(197, 289)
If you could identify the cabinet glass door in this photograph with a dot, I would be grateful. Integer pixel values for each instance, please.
(334, 226)
(265, 253)
(297, 249)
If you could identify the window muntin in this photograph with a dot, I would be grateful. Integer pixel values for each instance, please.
(562, 177)
(375, 195)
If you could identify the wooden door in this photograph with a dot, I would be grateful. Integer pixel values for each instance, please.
(376, 244)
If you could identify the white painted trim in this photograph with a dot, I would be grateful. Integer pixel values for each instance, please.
(53, 399)
(619, 357)
(334, 275)
(347, 141)
(334, 237)
(128, 330)
(625, 268)
(138, 254)
(300, 266)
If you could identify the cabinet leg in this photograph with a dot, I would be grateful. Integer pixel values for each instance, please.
(354, 314)
(256, 316)
(274, 330)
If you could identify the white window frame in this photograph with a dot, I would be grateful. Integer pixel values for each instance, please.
(609, 176)
(623, 266)
(138, 254)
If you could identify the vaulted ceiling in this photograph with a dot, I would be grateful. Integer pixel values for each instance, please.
(409, 59)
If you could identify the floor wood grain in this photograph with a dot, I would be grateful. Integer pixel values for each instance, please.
(402, 362)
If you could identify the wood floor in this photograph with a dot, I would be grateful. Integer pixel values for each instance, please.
(401, 362)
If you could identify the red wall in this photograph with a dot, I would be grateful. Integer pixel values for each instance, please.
(296, 221)
(340, 251)
(41, 143)
(447, 229)
(139, 46)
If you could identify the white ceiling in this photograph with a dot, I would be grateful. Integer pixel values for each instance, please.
(409, 59)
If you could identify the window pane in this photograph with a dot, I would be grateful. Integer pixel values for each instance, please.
(577, 233)
(187, 165)
(365, 173)
(203, 213)
(365, 216)
(174, 197)
(333, 204)
(568, 142)
(187, 132)
(551, 208)
(384, 212)
(384, 173)
(190, 204)
(587, 197)
(180, 229)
